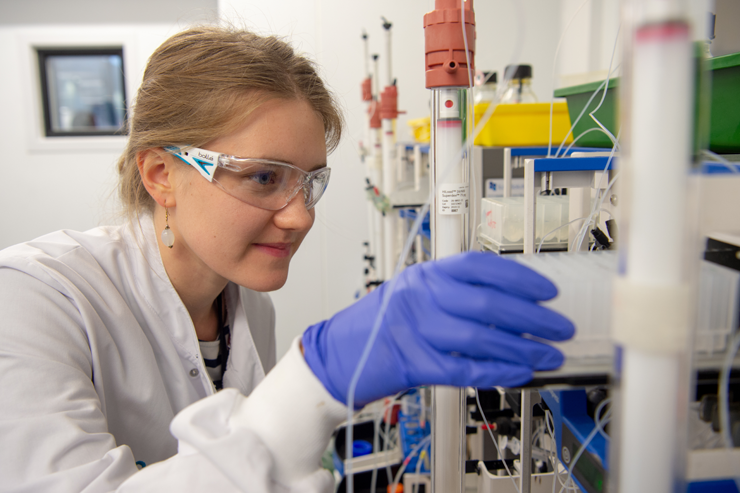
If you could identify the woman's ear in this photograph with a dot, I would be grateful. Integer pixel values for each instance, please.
(156, 169)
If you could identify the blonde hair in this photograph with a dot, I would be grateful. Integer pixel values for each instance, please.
(203, 83)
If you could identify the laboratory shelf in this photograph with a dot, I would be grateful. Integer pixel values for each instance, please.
(597, 163)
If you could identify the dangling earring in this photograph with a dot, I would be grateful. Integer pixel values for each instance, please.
(168, 237)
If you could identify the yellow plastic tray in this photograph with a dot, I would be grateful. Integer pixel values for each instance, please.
(420, 128)
(523, 124)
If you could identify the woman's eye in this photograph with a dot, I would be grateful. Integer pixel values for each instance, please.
(263, 178)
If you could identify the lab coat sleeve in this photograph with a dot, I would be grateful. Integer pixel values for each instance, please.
(53, 430)
(271, 441)
(54, 435)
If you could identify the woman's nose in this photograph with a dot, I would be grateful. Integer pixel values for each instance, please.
(295, 216)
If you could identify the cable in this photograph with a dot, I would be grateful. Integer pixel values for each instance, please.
(559, 227)
(603, 96)
(495, 442)
(580, 115)
(600, 422)
(478, 126)
(567, 149)
(408, 458)
(554, 67)
(554, 461)
(598, 204)
(605, 83)
(584, 230)
(716, 157)
(376, 436)
(724, 381)
(419, 462)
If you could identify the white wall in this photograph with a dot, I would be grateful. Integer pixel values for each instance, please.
(48, 188)
(49, 183)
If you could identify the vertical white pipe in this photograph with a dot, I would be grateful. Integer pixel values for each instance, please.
(389, 69)
(530, 206)
(389, 186)
(377, 180)
(654, 281)
(507, 172)
(419, 245)
(417, 167)
(371, 211)
(448, 220)
(579, 205)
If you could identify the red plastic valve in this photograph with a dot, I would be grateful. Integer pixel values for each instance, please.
(446, 64)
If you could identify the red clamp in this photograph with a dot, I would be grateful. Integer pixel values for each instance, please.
(389, 103)
(374, 112)
(367, 89)
(446, 64)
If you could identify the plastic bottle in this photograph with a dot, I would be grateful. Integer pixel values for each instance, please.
(519, 87)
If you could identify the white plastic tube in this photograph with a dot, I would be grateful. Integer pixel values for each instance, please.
(658, 110)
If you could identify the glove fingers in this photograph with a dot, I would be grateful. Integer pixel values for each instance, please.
(477, 341)
(491, 306)
(491, 270)
(464, 372)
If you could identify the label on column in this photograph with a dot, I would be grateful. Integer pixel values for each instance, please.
(453, 198)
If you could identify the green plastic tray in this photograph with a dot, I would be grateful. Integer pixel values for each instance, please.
(577, 97)
(724, 121)
(724, 133)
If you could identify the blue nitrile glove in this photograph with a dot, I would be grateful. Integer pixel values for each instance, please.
(456, 321)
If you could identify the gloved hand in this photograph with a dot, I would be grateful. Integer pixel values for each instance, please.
(456, 321)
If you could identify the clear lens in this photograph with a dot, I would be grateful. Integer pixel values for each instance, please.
(316, 186)
(270, 185)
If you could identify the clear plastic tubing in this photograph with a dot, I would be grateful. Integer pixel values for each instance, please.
(652, 299)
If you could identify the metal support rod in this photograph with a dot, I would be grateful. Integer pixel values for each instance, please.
(507, 172)
(389, 71)
(448, 470)
(530, 206)
(525, 458)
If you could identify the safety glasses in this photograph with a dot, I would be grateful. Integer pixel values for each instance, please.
(261, 183)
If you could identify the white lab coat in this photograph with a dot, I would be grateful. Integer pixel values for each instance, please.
(98, 355)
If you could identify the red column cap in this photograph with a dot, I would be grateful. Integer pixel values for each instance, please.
(445, 60)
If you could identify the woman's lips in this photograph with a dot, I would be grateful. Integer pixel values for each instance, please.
(279, 250)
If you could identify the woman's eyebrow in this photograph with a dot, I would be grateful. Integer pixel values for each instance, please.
(313, 168)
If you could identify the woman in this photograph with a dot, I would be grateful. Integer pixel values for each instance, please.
(115, 341)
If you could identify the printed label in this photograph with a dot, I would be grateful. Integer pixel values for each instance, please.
(453, 198)
(495, 187)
